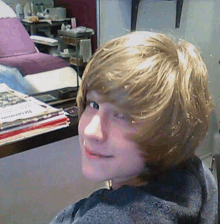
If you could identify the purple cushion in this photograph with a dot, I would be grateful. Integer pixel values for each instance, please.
(34, 63)
(14, 39)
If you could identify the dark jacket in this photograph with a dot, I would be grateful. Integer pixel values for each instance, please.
(176, 196)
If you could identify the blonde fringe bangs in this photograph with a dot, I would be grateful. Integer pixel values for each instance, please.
(159, 82)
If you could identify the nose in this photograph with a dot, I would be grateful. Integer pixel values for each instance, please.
(95, 130)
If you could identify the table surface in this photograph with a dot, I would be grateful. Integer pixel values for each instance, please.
(44, 24)
(45, 138)
(87, 34)
(46, 21)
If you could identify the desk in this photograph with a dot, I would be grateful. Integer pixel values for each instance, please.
(46, 138)
(73, 39)
(46, 24)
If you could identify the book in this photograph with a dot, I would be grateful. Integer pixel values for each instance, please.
(33, 130)
(23, 116)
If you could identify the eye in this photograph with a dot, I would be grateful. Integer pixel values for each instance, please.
(93, 104)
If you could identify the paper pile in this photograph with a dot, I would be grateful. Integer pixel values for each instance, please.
(22, 116)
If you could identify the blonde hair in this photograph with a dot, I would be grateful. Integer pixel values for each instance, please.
(160, 82)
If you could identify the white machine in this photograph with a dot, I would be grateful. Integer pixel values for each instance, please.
(56, 13)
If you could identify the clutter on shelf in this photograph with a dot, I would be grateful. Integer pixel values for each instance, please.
(37, 9)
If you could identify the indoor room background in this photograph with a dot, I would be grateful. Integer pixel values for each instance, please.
(36, 184)
(83, 10)
(13, 3)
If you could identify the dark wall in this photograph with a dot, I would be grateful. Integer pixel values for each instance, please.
(85, 13)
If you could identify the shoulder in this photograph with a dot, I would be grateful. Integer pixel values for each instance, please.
(174, 197)
(68, 213)
(103, 206)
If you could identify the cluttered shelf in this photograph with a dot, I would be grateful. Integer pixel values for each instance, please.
(57, 122)
(80, 39)
(34, 27)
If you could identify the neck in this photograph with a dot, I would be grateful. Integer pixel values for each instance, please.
(132, 182)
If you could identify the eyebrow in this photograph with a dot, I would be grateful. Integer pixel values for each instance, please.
(92, 97)
(97, 99)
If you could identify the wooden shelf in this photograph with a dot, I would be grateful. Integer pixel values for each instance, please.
(69, 40)
(77, 61)
(73, 39)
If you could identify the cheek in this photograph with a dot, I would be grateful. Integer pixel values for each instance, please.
(83, 122)
(121, 138)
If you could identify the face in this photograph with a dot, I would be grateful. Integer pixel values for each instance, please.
(107, 153)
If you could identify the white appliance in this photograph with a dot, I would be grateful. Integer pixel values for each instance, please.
(56, 13)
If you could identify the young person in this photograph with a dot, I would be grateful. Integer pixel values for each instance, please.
(144, 107)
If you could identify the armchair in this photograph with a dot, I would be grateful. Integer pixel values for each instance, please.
(28, 70)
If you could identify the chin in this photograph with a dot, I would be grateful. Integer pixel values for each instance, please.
(93, 176)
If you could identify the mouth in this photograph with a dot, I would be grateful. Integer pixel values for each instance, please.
(94, 155)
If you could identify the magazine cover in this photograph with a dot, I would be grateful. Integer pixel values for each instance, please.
(17, 108)
(23, 116)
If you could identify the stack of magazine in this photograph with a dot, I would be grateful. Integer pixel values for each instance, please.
(22, 116)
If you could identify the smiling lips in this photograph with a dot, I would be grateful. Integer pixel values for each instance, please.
(94, 155)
